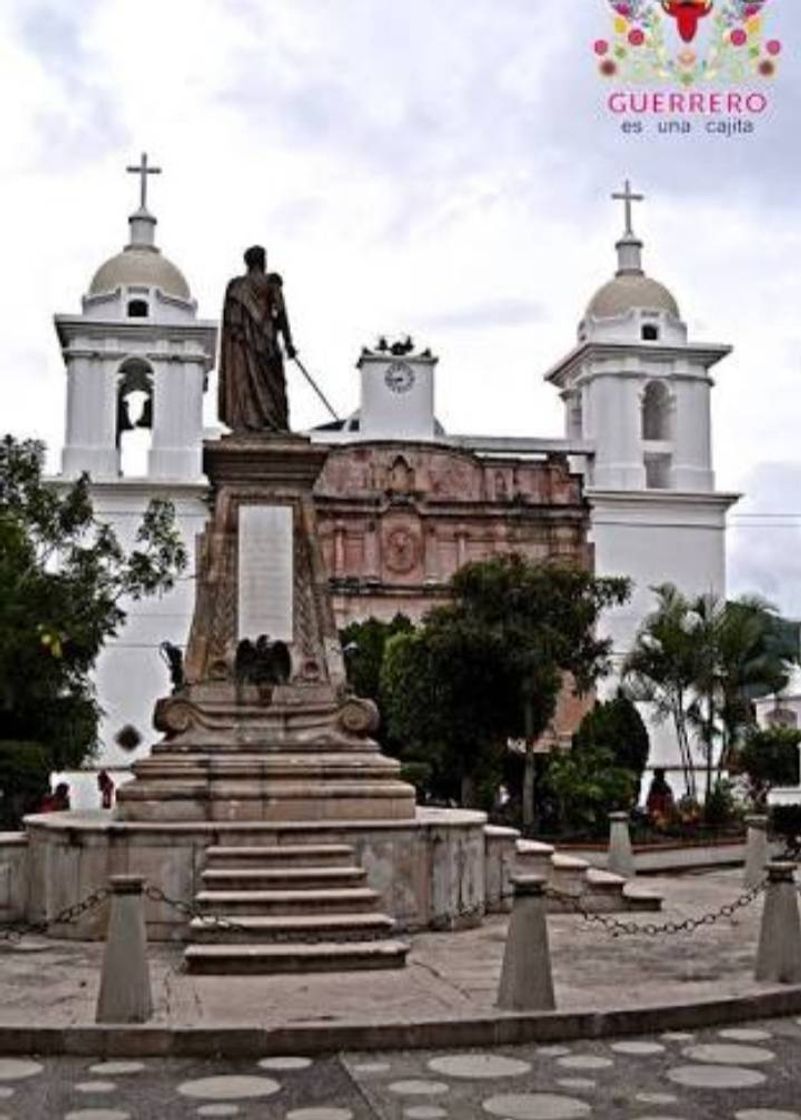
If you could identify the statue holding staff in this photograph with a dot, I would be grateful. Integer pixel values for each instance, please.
(252, 393)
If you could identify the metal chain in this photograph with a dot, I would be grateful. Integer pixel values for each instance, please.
(616, 928)
(13, 931)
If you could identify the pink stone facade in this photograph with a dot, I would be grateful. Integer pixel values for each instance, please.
(396, 520)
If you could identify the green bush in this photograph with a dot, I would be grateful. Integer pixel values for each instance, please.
(769, 757)
(24, 780)
(616, 727)
(785, 821)
(587, 786)
(720, 808)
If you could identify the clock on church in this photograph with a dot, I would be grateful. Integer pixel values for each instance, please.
(399, 377)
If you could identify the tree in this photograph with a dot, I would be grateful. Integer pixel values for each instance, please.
(661, 669)
(701, 662)
(768, 757)
(64, 579)
(488, 666)
(364, 644)
(617, 728)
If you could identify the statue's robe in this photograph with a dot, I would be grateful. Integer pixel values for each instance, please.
(252, 393)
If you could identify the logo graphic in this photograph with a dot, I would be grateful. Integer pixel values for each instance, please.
(686, 43)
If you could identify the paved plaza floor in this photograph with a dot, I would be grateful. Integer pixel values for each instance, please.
(750, 1072)
(46, 983)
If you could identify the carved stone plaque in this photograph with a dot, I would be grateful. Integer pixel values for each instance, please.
(265, 572)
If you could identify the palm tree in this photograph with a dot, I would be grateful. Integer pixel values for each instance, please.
(702, 662)
(661, 669)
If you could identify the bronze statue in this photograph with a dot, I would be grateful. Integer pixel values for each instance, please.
(252, 395)
(262, 662)
(173, 658)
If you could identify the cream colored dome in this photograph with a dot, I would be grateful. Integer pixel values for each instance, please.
(136, 265)
(631, 291)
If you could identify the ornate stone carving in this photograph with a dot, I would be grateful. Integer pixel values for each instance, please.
(402, 550)
(358, 716)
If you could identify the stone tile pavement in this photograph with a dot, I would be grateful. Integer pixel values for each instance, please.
(746, 1073)
(45, 983)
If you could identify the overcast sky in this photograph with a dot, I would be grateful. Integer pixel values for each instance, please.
(435, 166)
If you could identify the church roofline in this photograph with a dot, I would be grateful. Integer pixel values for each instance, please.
(709, 353)
(69, 327)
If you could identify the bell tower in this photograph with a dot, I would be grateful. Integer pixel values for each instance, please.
(136, 342)
(637, 391)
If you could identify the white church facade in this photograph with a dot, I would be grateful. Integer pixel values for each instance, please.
(637, 399)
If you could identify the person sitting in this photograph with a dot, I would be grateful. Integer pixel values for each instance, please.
(58, 801)
(660, 805)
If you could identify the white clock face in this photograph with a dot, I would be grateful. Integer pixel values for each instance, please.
(399, 377)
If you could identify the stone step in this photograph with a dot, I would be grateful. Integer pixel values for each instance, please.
(280, 855)
(637, 899)
(269, 767)
(225, 748)
(297, 928)
(281, 878)
(231, 960)
(288, 902)
(603, 891)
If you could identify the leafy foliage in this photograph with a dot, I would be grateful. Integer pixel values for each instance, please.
(24, 780)
(589, 784)
(364, 644)
(785, 821)
(64, 579)
(769, 758)
(617, 727)
(701, 662)
(488, 666)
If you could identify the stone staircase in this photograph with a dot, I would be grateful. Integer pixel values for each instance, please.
(291, 908)
(574, 879)
(596, 890)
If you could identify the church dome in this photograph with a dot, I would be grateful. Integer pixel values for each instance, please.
(144, 265)
(630, 291)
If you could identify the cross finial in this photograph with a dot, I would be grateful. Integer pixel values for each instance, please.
(627, 196)
(142, 169)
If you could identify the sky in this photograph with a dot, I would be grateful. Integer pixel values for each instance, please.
(438, 167)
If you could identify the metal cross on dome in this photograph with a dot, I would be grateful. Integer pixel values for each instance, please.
(142, 169)
(627, 196)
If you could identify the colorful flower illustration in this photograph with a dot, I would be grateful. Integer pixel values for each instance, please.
(688, 42)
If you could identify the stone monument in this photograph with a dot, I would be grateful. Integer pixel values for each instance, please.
(267, 801)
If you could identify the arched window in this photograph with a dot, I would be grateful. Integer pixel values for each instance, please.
(134, 416)
(137, 309)
(650, 332)
(656, 411)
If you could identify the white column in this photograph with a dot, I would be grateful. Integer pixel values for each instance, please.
(90, 443)
(692, 467)
(177, 420)
(616, 430)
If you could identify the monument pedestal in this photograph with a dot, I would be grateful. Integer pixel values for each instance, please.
(268, 804)
(245, 749)
(264, 729)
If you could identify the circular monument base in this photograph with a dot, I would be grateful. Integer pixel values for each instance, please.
(429, 870)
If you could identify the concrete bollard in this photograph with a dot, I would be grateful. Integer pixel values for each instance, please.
(526, 981)
(779, 953)
(125, 995)
(757, 854)
(621, 857)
